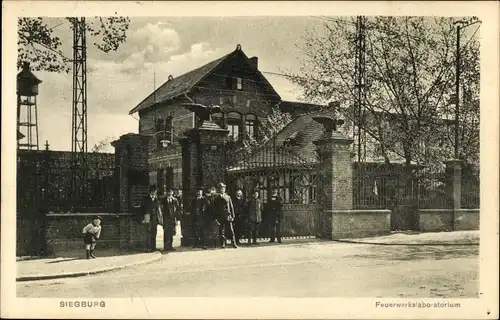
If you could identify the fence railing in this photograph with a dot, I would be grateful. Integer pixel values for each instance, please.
(470, 193)
(51, 182)
(377, 191)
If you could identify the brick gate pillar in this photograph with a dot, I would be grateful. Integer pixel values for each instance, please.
(334, 153)
(131, 158)
(454, 185)
(203, 166)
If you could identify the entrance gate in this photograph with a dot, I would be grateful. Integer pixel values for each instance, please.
(296, 177)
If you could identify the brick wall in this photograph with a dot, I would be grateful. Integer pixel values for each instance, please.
(467, 219)
(121, 232)
(30, 237)
(435, 220)
(448, 219)
(359, 223)
(300, 220)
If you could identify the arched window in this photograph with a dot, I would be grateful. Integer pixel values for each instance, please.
(250, 120)
(234, 124)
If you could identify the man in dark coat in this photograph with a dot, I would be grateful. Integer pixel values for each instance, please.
(150, 208)
(255, 208)
(225, 215)
(240, 216)
(170, 215)
(274, 210)
(199, 217)
(211, 218)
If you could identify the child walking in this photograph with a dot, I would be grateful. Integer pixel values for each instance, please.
(91, 234)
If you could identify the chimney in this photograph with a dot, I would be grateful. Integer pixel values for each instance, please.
(255, 62)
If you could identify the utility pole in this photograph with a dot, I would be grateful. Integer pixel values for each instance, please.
(457, 84)
(457, 92)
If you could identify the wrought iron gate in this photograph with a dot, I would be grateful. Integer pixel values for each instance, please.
(297, 179)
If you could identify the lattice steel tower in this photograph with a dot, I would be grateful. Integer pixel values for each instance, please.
(79, 113)
(27, 117)
(360, 86)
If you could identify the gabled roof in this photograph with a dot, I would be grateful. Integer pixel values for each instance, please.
(303, 130)
(175, 87)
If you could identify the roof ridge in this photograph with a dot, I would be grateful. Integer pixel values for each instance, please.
(216, 62)
(288, 124)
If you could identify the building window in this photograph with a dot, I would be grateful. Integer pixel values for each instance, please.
(250, 120)
(229, 83)
(234, 83)
(159, 125)
(169, 128)
(234, 125)
(164, 132)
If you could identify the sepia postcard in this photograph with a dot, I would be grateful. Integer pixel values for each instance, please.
(250, 160)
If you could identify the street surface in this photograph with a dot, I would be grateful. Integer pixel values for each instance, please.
(307, 269)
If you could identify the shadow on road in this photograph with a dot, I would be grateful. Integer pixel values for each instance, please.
(418, 253)
(64, 260)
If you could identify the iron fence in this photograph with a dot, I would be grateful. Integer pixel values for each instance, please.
(51, 181)
(386, 187)
(269, 166)
(470, 192)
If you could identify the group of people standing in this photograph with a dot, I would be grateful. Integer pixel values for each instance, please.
(236, 218)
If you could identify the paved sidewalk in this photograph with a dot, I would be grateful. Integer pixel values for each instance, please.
(426, 238)
(42, 269)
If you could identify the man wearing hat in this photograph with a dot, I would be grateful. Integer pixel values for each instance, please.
(241, 217)
(225, 215)
(151, 209)
(199, 218)
(274, 207)
(171, 212)
(91, 234)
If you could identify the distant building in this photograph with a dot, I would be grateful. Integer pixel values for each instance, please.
(233, 82)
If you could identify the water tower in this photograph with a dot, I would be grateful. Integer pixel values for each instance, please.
(27, 126)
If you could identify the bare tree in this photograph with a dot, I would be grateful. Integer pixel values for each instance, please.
(269, 126)
(104, 146)
(410, 72)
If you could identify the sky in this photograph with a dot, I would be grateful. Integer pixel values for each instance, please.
(156, 48)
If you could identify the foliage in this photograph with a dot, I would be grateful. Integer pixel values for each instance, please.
(38, 44)
(409, 82)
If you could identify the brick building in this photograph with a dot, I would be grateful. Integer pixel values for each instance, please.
(233, 82)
